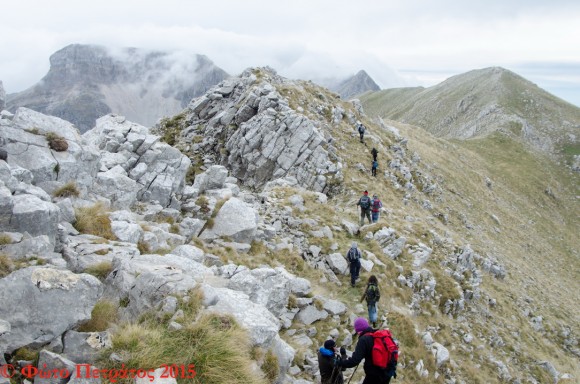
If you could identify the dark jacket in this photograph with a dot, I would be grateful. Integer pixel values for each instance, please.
(329, 374)
(364, 350)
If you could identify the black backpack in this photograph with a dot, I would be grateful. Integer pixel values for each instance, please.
(353, 255)
(365, 202)
(361, 128)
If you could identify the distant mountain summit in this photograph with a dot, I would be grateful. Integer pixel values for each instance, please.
(480, 102)
(86, 82)
(355, 85)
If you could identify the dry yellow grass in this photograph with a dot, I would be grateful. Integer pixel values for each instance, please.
(94, 220)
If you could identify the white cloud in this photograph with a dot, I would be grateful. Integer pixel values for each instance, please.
(397, 43)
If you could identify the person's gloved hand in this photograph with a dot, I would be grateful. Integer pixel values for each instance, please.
(342, 351)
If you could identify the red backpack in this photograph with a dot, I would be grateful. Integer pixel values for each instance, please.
(385, 350)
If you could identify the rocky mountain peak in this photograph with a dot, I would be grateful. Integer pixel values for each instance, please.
(355, 85)
(142, 85)
(264, 127)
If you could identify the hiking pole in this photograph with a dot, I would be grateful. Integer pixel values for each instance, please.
(351, 376)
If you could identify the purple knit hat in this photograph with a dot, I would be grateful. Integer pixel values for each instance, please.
(361, 324)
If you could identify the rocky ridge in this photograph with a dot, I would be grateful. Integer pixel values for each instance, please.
(284, 145)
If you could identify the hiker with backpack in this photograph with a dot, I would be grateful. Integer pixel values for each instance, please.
(361, 131)
(330, 371)
(353, 257)
(365, 207)
(374, 152)
(375, 165)
(379, 351)
(376, 206)
(372, 295)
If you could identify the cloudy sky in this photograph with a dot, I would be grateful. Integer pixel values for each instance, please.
(399, 43)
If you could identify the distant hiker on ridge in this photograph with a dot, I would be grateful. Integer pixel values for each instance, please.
(374, 168)
(361, 131)
(353, 257)
(365, 208)
(374, 152)
(376, 206)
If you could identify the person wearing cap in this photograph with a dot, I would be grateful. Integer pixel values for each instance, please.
(330, 373)
(364, 350)
(353, 257)
(365, 207)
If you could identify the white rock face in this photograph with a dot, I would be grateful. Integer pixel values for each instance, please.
(441, 353)
(262, 325)
(236, 220)
(74, 296)
(268, 139)
(135, 165)
(25, 141)
(263, 286)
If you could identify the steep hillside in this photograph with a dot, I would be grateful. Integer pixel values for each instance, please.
(86, 82)
(229, 253)
(483, 101)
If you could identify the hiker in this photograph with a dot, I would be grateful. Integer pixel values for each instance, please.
(372, 295)
(365, 207)
(361, 131)
(374, 152)
(376, 206)
(364, 350)
(353, 257)
(330, 372)
(374, 168)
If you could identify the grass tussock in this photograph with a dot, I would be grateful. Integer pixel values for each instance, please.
(217, 346)
(56, 142)
(271, 367)
(94, 220)
(25, 354)
(143, 247)
(5, 239)
(101, 270)
(70, 189)
(5, 265)
(411, 350)
(104, 314)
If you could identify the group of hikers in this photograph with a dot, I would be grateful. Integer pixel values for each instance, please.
(376, 347)
(375, 164)
(369, 208)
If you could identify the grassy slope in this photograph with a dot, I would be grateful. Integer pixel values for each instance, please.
(538, 234)
(480, 102)
(536, 239)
